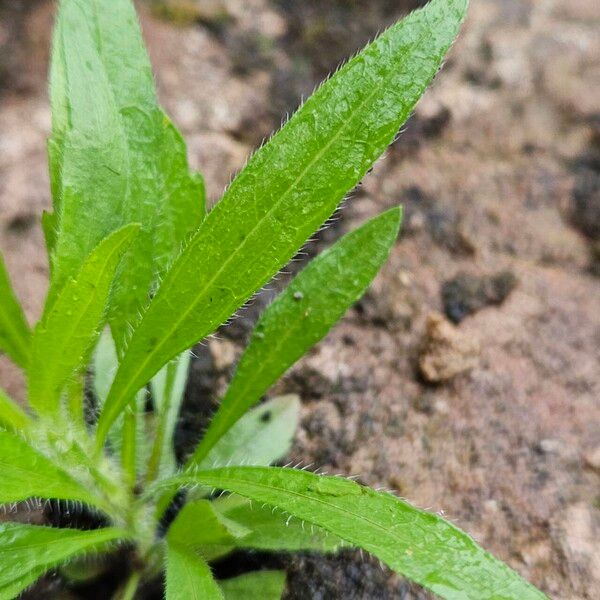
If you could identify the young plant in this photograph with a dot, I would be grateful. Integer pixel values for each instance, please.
(139, 274)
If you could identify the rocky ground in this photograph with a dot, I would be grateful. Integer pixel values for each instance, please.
(467, 379)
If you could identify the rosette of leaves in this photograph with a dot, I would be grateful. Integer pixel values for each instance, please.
(140, 272)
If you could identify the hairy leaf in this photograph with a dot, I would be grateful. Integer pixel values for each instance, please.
(188, 576)
(261, 437)
(12, 417)
(417, 544)
(287, 190)
(15, 335)
(115, 157)
(272, 530)
(20, 584)
(302, 315)
(27, 551)
(65, 337)
(27, 473)
(260, 585)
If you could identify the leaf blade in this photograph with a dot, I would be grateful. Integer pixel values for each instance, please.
(12, 416)
(259, 585)
(114, 153)
(200, 528)
(28, 473)
(19, 585)
(288, 189)
(273, 531)
(261, 437)
(26, 551)
(419, 545)
(73, 321)
(302, 315)
(15, 335)
(188, 576)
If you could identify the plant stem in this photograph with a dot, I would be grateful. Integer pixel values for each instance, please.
(131, 586)
(128, 449)
(75, 401)
(158, 448)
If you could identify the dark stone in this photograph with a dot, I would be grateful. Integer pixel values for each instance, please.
(21, 223)
(466, 294)
(586, 202)
(348, 576)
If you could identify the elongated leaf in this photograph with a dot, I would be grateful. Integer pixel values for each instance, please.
(27, 551)
(261, 585)
(302, 315)
(27, 473)
(272, 530)
(417, 544)
(12, 417)
(68, 331)
(288, 189)
(188, 576)
(15, 335)
(261, 437)
(115, 158)
(168, 389)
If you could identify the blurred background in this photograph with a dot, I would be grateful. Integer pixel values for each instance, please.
(468, 379)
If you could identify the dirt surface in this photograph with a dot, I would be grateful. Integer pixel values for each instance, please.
(499, 172)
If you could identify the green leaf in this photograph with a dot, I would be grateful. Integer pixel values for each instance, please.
(287, 190)
(27, 473)
(27, 551)
(261, 437)
(271, 530)
(302, 315)
(126, 439)
(417, 544)
(105, 365)
(70, 326)
(199, 527)
(20, 584)
(115, 157)
(168, 389)
(129, 445)
(12, 417)
(188, 576)
(15, 335)
(260, 585)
